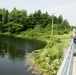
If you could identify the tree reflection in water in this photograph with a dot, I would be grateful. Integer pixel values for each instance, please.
(13, 53)
(3, 50)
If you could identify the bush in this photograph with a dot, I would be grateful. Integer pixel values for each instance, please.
(66, 31)
(60, 32)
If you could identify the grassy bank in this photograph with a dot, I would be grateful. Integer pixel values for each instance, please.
(49, 58)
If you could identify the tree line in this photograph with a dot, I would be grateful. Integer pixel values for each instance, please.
(18, 20)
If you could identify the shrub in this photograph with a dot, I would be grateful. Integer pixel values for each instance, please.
(66, 31)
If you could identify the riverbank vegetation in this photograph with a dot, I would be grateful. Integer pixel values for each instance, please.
(38, 25)
(49, 58)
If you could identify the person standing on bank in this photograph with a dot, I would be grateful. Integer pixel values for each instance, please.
(74, 40)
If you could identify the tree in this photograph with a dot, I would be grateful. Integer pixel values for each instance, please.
(18, 17)
(31, 22)
(46, 19)
(60, 19)
(66, 24)
(55, 20)
(5, 16)
(14, 27)
(37, 16)
(0, 19)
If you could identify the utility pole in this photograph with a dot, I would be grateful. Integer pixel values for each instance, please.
(52, 23)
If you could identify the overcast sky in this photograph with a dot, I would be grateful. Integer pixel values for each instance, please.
(66, 8)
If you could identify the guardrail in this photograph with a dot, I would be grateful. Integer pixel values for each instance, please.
(67, 63)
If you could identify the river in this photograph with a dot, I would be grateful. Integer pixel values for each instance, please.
(13, 54)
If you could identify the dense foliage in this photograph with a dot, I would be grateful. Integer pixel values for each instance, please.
(17, 21)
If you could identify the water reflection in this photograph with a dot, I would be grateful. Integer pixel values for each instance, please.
(3, 50)
(16, 48)
(13, 54)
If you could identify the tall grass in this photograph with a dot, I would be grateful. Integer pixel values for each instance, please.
(49, 58)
